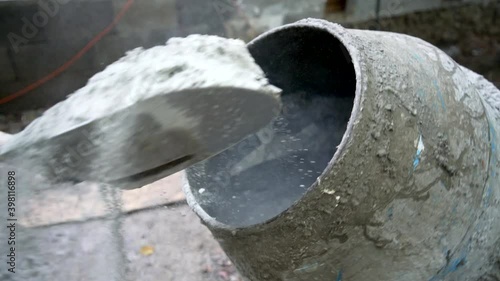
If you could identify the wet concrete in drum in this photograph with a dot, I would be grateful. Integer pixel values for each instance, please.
(288, 155)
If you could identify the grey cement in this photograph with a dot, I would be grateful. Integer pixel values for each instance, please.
(150, 114)
(202, 61)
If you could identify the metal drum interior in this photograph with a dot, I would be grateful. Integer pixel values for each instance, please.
(262, 176)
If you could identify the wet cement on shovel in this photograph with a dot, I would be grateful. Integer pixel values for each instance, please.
(150, 114)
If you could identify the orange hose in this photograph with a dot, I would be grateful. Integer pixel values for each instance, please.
(72, 60)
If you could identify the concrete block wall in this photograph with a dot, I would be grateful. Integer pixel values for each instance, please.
(66, 28)
(37, 50)
(55, 34)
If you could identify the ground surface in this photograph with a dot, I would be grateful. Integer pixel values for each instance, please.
(157, 238)
(184, 249)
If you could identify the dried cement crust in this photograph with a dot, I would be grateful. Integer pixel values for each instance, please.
(412, 192)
